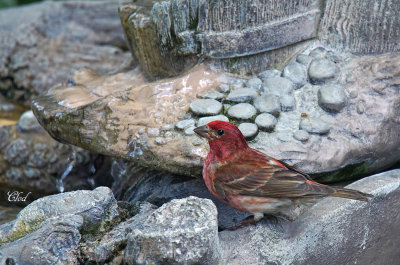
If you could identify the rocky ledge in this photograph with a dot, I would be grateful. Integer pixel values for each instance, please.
(61, 229)
(333, 115)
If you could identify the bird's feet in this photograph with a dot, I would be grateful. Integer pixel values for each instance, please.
(247, 221)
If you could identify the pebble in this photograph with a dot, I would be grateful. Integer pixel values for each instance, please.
(301, 135)
(189, 131)
(360, 107)
(153, 132)
(167, 127)
(315, 125)
(268, 103)
(28, 122)
(266, 121)
(242, 111)
(182, 125)
(205, 107)
(319, 52)
(249, 130)
(254, 83)
(295, 72)
(288, 103)
(160, 141)
(277, 86)
(303, 59)
(211, 94)
(223, 88)
(236, 84)
(205, 120)
(332, 98)
(269, 73)
(322, 70)
(242, 95)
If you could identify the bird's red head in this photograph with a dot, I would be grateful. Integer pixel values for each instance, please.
(224, 138)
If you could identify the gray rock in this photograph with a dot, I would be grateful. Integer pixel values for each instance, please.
(54, 242)
(211, 94)
(254, 83)
(277, 86)
(288, 103)
(268, 103)
(116, 239)
(223, 88)
(301, 135)
(242, 111)
(28, 122)
(249, 130)
(236, 83)
(314, 125)
(322, 70)
(182, 231)
(269, 73)
(303, 59)
(242, 95)
(297, 73)
(183, 124)
(319, 52)
(95, 207)
(153, 132)
(204, 120)
(266, 121)
(17, 152)
(189, 131)
(205, 106)
(332, 98)
(333, 231)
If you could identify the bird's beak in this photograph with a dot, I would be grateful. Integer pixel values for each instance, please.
(203, 131)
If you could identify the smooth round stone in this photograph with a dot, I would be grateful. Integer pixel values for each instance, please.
(206, 120)
(301, 135)
(249, 130)
(303, 59)
(189, 131)
(315, 125)
(288, 103)
(242, 111)
(28, 122)
(211, 94)
(266, 121)
(332, 98)
(319, 52)
(183, 124)
(242, 95)
(205, 106)
(322, 70)
(254, 83)
(277, 86)
(223, 88)
(269, 73)
(296, 72)
(268, 103)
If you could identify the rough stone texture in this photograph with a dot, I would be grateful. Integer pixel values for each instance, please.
(242, 95)
(268, 103)
(265, 121)
(54, 242)
(43, 44)
(204, 120)
(295, 72)
(180, 232)
(95, 207)
(277, 86)
(322, 70)
(361, 26)
(333, 231)
(249, 130)
(242, 111)
(343, 153)
(205, 107)
(332, 98)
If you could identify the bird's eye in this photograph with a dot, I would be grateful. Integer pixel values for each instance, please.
(220, 132)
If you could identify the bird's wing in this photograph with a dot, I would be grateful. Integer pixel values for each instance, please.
(255, 174)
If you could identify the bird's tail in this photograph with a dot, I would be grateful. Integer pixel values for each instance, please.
(351, 194)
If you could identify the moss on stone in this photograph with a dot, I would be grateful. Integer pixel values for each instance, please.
(349, 172)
